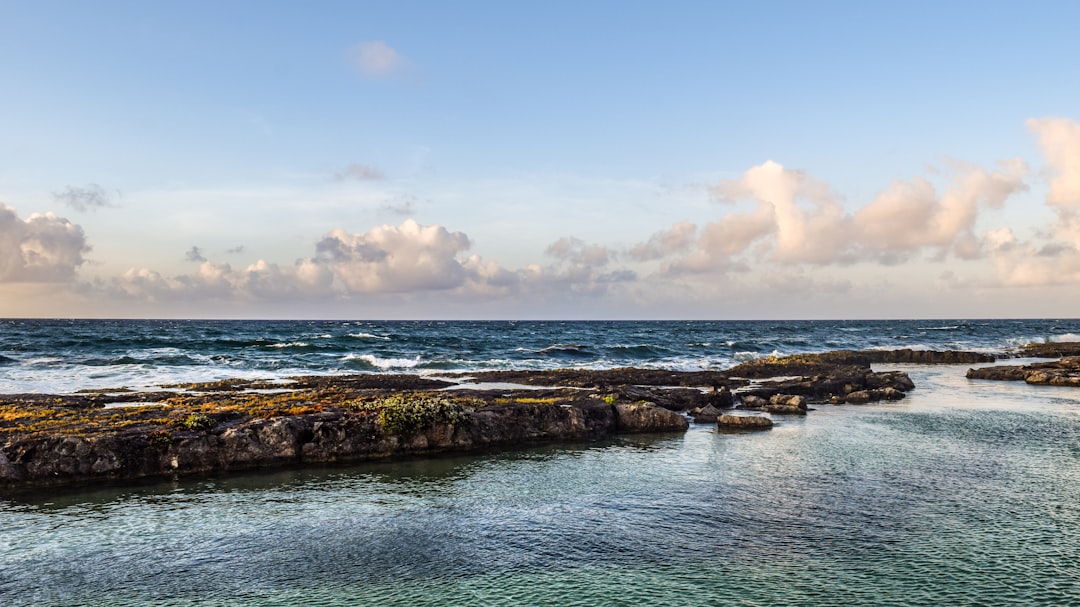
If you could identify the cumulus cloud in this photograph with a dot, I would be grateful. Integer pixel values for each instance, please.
(359, 172)
(807, 218)
(578, 252)
(376, 59)
(1059, 139)
(911, 216)
(394, 259)
(86, 198)
(41, 248)
(408, 258)
(798, 220)
(1053, 256)
(679, 238)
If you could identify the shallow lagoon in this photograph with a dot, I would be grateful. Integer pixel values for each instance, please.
(964, 493)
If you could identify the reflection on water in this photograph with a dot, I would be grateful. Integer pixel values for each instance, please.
(951, 497)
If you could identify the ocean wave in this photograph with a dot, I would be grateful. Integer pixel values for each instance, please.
(376, 362)
(367, 336)
(4, 360)
(1065, 337)
(570, 350)
(944, 328)
(634, 351)
(748, 356)
(291, 344)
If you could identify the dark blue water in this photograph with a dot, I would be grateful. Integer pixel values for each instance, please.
(65, 355)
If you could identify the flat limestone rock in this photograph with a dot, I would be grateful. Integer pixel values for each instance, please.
(730, 422)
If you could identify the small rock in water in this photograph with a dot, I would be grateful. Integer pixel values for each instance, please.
(706, 415)
(730, 422)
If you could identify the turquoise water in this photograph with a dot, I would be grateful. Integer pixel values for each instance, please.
(966, 493)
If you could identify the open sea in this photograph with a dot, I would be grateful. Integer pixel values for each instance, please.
(964, 493)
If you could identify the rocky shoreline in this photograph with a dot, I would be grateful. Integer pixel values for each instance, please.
(53, 440)
(1063, 372)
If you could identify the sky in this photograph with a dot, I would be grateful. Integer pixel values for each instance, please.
(555, 160)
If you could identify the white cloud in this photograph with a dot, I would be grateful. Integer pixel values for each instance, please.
(912, 216)
(42, 248)
(679, 238)
(807, 219)
(798, 221)
(376, 59)
(1059, 139)
(409, 258)
(1053, 257)
(395, 259)
(577, 252)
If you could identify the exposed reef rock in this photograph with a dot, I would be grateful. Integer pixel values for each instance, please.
(1050, 350)
(833, 384)
(735, 423)
(825, 362)
(151, 441)
(244, 424)
(647, 417)
(1064, 372)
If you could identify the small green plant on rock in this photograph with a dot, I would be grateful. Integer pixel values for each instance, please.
(406, 415)
(161, 438)
(195, 422)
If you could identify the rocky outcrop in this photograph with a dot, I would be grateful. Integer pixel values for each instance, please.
(1064, 372)
(730, 422)
(824, 362)
(328, 436)
(246, 424)
(646, 417)
(1054, 349)
(779, 404)
(834, 385)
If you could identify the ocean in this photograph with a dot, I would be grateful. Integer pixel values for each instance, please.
(60, 356)
(964, 493)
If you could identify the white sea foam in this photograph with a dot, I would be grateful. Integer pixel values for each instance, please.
(291, 344)
(367, 336)
(385, 363)
(1068, 337)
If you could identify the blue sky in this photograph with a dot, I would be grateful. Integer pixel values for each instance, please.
(554, 160)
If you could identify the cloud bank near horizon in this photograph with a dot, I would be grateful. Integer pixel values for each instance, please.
(783, 223)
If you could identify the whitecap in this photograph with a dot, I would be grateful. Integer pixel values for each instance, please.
(385, 363)
(362, 335)
(291, 344)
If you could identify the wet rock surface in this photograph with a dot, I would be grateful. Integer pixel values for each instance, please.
(1050, 350)
(246, 424)
(736, 423)
(1063, 372)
